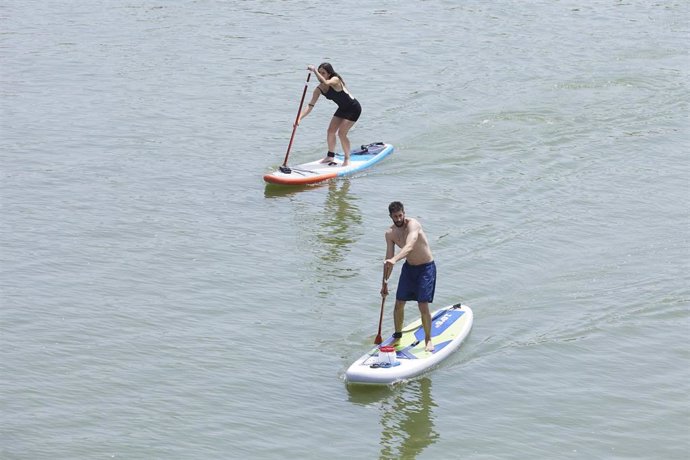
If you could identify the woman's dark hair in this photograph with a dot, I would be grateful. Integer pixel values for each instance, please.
(331, 73)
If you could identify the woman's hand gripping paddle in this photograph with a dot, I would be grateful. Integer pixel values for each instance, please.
(284, 168)
(386, 274)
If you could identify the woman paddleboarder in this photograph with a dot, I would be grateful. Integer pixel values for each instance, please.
(332, 87)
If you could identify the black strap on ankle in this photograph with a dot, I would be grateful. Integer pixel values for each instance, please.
(397, 335)
(330, 154)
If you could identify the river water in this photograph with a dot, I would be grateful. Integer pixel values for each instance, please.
(160, 301)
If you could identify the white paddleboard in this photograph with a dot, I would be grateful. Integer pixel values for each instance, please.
(314, 172)
(449, 327)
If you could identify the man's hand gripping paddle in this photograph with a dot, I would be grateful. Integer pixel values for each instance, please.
(386, 274)
(284, 168)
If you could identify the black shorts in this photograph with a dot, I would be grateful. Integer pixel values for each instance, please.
(351, 112)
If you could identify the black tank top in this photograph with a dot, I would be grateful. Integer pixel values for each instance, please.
(339, 97)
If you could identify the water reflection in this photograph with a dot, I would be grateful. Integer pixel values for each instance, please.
(335, 230)
(407, 426)
(279, 191)
(327, 224)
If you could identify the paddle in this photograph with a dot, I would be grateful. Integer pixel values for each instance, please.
(284, 169)
(378, 339)
(386, 274)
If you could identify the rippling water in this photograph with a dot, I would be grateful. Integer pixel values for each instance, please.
(159, 301)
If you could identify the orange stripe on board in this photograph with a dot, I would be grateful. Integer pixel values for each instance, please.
(298, 180)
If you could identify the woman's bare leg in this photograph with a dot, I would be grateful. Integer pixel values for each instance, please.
(333, 127)
(344, 140)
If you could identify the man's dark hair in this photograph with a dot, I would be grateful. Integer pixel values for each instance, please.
(395, 206)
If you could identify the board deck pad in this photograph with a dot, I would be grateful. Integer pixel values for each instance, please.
(449, 327)
(314, 172)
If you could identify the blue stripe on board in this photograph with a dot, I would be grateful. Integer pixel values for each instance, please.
(366, 164)
(440, 323)
(371, 150)
(439, 346)
(454, 315)
(405, 354)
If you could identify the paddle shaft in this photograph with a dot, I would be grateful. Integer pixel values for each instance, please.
(378, 338)
(294, 127)
(386, 273)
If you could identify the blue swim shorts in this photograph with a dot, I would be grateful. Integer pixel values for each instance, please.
(417, 282)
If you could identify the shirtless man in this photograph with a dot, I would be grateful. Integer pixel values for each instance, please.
(418, 274)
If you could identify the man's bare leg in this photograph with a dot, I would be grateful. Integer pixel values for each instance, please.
(398, 318)
(426, 324)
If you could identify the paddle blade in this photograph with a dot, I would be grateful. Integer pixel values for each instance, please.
(378, 340)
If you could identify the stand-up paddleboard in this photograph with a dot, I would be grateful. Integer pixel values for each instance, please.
(449, 327)
(310, 173)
